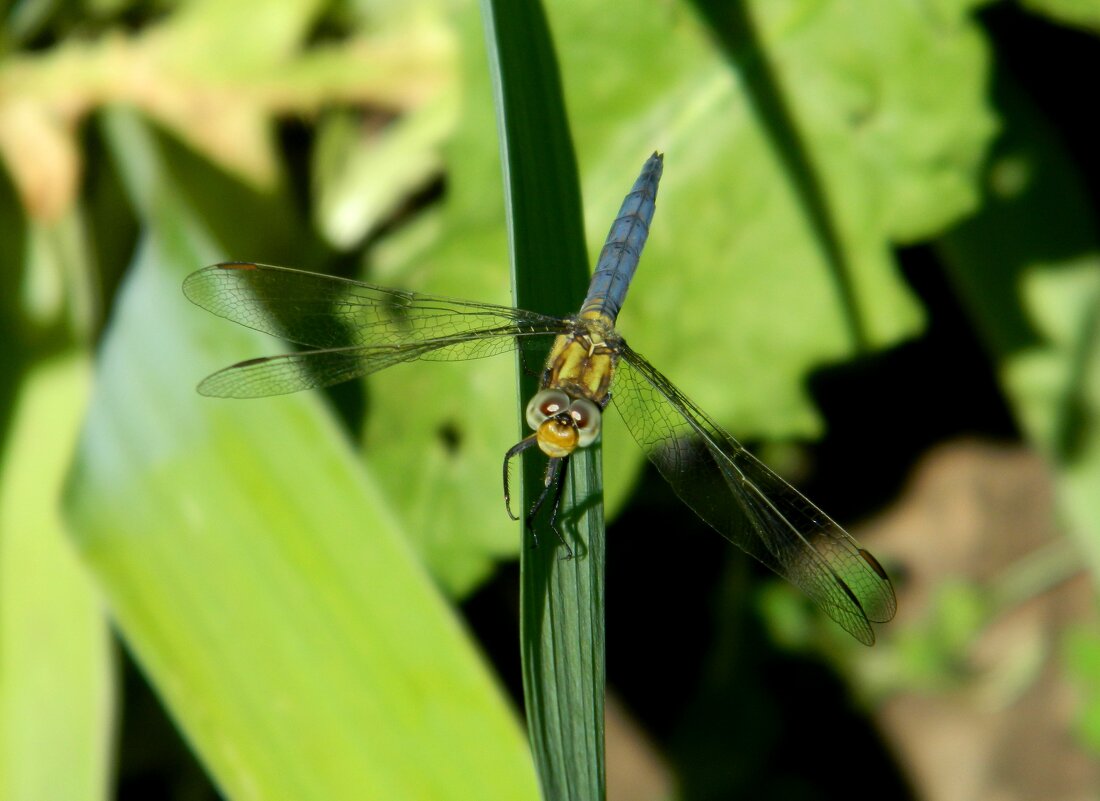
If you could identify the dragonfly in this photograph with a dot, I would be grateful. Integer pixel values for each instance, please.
(352, 329)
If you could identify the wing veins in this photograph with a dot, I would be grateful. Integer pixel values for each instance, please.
(325, 311)
(322, 367)
(822, 580)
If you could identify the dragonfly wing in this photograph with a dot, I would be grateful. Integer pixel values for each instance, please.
(324, 311)
(748, 503)
(312, 369)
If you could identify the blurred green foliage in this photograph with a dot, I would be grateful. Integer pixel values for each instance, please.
(1082, 655)
(284, 592)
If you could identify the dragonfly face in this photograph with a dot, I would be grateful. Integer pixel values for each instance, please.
(353, 329)
(561, 423)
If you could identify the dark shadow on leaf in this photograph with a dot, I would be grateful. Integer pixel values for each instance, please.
(1035, 218)
(733, 30)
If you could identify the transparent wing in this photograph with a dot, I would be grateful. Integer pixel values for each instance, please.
(324, 311)
(357, 328)
(312, 369)
(749, 504)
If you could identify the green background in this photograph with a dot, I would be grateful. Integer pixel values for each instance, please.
(876, 232)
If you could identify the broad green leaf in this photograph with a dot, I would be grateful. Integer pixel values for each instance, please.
(737, 297)
(738, 289)
(256, 571)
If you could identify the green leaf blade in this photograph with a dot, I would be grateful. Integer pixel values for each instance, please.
(562, 604)
(255, 571)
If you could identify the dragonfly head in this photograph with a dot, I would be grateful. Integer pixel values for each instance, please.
(562, 424)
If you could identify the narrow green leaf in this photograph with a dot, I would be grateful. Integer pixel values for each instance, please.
(562, 615)
(359, 180)
(56, 677)
(1084, 14)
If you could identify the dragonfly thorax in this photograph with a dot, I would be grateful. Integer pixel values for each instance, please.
(562, 423)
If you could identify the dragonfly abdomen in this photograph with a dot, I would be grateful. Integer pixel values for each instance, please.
(623, 247)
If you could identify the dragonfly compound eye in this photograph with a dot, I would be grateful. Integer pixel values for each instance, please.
(586, 416)
(545, 404)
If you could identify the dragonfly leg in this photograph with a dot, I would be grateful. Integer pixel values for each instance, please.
(559, 482)
(554, 480)
(519, 447)
(526, 367)
(552, 469)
